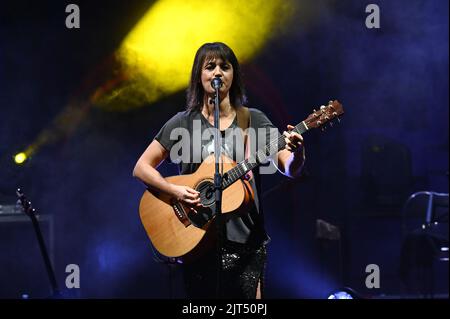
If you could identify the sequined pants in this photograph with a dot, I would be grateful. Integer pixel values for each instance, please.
(242, 267)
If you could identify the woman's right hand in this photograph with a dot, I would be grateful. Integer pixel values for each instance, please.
(188, 196)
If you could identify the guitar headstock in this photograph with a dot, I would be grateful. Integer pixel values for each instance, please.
(25, 203)
(325, 115)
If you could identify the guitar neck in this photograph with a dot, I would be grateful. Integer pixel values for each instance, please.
(31, 212)
(45, 256)
(259, 157)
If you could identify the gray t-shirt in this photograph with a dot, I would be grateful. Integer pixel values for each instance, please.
(189, 138)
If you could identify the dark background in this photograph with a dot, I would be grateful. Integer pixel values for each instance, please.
(392, 142)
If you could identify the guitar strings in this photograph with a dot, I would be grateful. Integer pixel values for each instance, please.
(238, 171)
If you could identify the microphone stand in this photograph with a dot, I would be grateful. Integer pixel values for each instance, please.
(216, 84)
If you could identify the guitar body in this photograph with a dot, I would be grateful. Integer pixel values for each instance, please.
(175, 230)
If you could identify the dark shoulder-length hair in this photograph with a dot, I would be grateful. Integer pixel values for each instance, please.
(195, 91)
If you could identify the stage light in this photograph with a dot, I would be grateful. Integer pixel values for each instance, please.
(344, 293)
(20, 158)
(156, 56)
(340, 295)
(154, 60)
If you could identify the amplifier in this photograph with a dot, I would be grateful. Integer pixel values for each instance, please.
(10, 210)
(23, 272)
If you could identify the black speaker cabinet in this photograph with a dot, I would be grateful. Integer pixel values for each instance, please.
(22, 268)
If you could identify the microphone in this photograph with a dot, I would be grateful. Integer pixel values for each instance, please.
(216, 83)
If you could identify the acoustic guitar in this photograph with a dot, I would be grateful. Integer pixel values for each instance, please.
(175, 229)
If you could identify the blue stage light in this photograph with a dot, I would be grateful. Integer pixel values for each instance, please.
(344, 293)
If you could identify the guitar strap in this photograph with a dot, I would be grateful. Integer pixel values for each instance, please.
(244, 121)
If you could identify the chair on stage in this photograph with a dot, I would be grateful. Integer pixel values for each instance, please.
(425, 244)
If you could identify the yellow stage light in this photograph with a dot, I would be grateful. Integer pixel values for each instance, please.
(20, 158)
(157, 55)
(155, 59)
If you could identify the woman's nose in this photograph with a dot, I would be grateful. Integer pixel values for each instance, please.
(218, 73)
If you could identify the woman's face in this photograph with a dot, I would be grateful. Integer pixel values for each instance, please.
(216, 67)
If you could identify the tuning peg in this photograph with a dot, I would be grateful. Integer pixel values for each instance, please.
(330, 102)
(19, 192)
(322, 107)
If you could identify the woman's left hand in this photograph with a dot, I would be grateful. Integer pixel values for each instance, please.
(294, 141)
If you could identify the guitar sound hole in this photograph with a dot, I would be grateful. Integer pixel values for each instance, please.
(206, 189)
